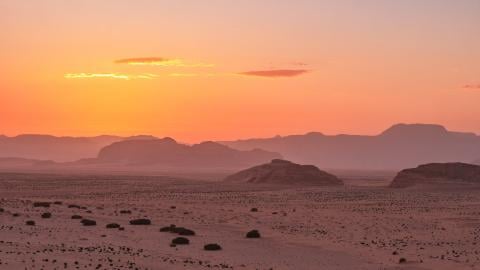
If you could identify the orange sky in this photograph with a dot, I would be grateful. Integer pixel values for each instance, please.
(237, 69)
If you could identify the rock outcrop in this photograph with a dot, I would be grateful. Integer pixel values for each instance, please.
(284, 172)
(437, 174)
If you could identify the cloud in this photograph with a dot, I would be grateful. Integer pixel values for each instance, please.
(108, 76)
(183, 75)
(472, 86)
(159, 61)
(275, 73)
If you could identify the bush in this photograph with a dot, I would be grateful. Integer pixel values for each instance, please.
(88, 222)
(212, 247)
(180, 241)
(253, 234)
(112, 226)
(140, 221)
(41, 204)
(30, 223)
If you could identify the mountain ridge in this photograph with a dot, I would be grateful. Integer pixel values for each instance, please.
(398, 147)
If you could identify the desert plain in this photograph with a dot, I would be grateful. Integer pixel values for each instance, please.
(361, 225)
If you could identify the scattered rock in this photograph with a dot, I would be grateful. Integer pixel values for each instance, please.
(402, 260)
(212, 247)
(76, 217)
(254, 209)
(46, 215)
(125, 212)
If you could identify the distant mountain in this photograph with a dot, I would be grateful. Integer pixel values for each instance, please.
(286, 173)
(167, 153)
(11, 163)
(438, 174)
(401, 146)
(61, 149)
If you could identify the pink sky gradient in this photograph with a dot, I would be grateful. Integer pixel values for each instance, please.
(331, 66)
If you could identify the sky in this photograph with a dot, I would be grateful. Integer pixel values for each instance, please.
(220, 70)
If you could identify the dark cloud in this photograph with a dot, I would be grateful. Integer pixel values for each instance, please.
(472, 86)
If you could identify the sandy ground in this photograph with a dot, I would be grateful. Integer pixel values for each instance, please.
(353, 227)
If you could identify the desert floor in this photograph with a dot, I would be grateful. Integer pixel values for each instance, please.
(353, 227)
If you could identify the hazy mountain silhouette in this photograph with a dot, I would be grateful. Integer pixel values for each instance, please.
(167, 153)
(400, 146)
(12, 163)
(61, 149)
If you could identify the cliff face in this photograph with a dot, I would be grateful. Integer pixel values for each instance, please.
(437, 173)
(284, 172)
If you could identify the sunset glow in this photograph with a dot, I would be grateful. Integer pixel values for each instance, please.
(237, 69)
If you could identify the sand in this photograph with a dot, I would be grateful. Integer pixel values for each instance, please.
(352, 227)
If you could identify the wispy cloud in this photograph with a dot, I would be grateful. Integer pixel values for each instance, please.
(108, 76)
(162, 62)
(273, 73)
(183, 74)
(472, 86)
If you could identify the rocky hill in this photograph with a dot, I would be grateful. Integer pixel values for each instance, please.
(437, 174)
(284, 172)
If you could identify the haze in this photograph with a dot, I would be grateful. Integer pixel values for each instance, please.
(247, 134)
